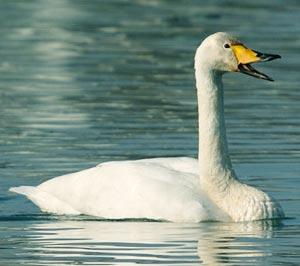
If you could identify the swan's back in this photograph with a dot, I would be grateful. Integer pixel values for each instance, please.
(160, 189)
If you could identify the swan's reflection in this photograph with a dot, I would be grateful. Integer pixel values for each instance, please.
(237, 243)
(125, 243)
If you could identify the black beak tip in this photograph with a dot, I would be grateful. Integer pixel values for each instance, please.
(267, 57)
(270, 79)
(276, 56)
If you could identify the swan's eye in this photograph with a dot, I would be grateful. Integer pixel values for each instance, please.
(226, 45)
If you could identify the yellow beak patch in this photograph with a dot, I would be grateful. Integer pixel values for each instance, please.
(244, 55)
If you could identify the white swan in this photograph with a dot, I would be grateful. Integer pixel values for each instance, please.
(173, 189)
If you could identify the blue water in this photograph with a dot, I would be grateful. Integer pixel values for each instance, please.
(83, 82)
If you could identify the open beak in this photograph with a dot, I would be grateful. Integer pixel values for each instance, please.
(246, 56)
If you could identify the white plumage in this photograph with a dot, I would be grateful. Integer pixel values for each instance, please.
(172, 189)
(161, 189)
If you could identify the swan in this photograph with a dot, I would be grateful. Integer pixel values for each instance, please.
(177, 189)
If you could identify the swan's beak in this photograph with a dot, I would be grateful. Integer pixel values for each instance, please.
(246, 56)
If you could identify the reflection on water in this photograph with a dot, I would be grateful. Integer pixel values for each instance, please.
(94, 242)
(236, 244)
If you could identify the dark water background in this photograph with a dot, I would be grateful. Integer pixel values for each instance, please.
(82, 82)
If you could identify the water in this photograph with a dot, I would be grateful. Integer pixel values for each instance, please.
(84, 82)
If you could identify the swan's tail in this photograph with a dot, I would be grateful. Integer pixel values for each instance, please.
(45, 201)
(24, 190)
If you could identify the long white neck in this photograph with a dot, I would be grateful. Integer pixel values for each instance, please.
(214, 160)
(217, 178)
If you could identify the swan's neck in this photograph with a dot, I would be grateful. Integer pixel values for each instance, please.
(217, 178)
(214, 160)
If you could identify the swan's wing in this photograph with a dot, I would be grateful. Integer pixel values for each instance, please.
(181, 164)
(153, 189)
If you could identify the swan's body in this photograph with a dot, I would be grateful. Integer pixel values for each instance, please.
(160, 189)
(172, 189)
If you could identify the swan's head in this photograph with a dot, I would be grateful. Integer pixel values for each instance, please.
(222, 52)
